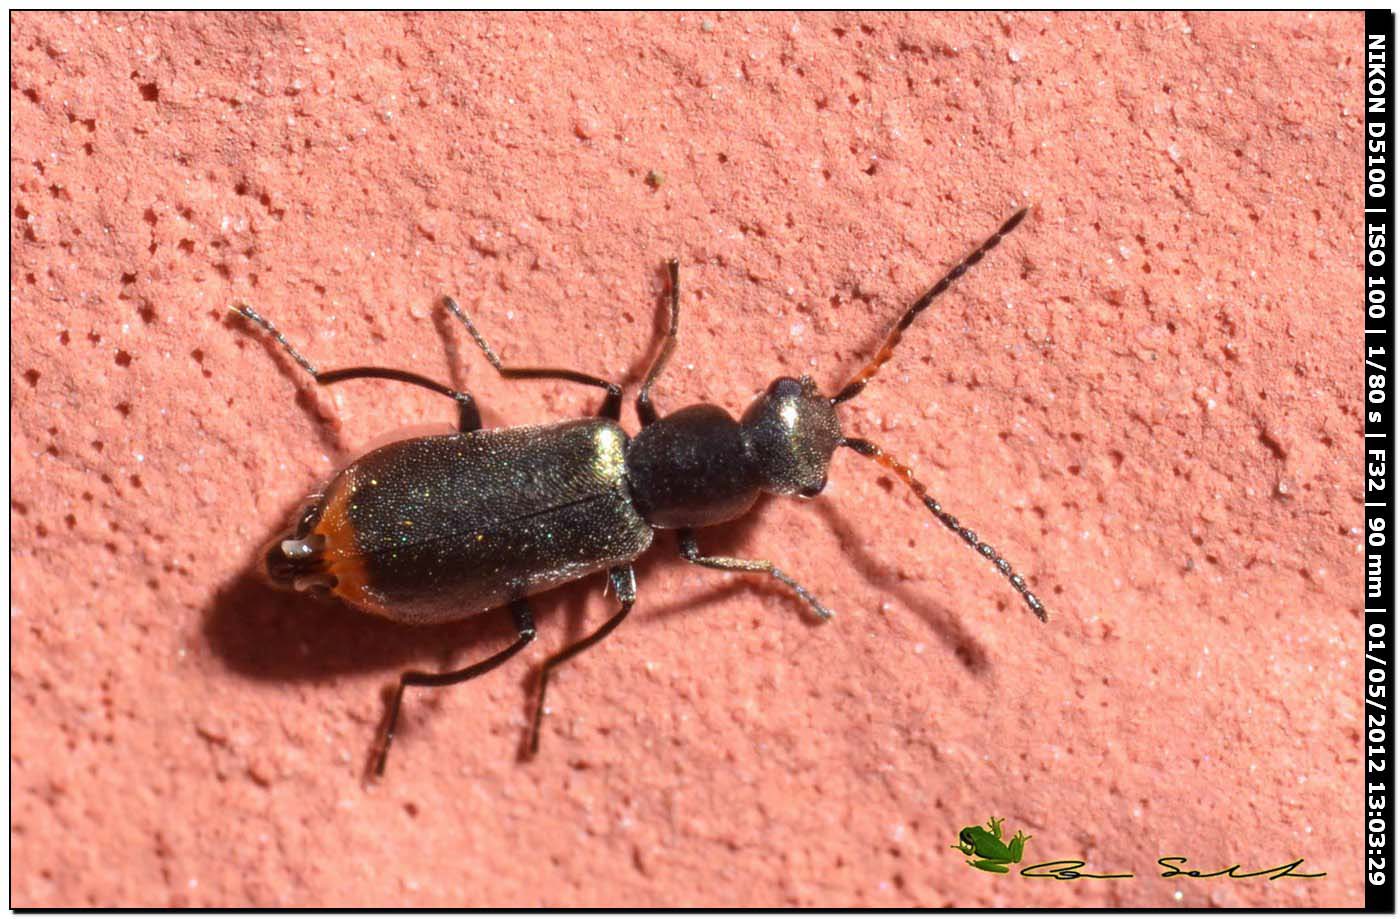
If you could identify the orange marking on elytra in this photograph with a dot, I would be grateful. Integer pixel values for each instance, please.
(341, 553)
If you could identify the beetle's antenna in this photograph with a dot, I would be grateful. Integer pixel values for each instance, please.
(252, 315)
(857, 382)
(866, 448)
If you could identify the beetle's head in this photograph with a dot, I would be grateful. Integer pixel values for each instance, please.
(792, 430)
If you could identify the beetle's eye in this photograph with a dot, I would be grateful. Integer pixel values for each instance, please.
(813, 491)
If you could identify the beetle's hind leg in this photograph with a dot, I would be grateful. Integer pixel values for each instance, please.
(624, 582)
(524, 626)
(612, 403)
(690, 551)
(468, 416)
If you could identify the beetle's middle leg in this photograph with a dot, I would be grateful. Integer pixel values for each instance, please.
(624, 582)
(690, 551)
(612, 403)
(524, 626)
(468, 416)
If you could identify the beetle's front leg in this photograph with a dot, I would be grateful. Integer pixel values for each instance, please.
(690, 551)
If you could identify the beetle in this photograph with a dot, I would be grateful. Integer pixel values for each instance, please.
(435, 529)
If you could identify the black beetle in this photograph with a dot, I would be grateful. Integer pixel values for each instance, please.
(434, 529)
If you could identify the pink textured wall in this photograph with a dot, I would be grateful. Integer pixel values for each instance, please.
(1147, 398)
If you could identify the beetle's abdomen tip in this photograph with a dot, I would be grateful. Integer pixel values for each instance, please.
(298, 564)
(320, 558)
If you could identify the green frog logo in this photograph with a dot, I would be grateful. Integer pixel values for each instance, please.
(991, 852)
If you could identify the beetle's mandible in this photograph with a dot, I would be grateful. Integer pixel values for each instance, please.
(434, 529)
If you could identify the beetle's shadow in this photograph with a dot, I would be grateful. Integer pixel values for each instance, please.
(964, 645)
(728, 539)
(269, 634)
(265, 633)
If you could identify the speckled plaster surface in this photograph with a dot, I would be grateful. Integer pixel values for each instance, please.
(1146, 398)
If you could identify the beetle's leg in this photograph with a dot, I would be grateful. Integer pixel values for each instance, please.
(524, 625)
(646, 411)
(690, 551)
(468, 417)
(612, 403)
(624, 583)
